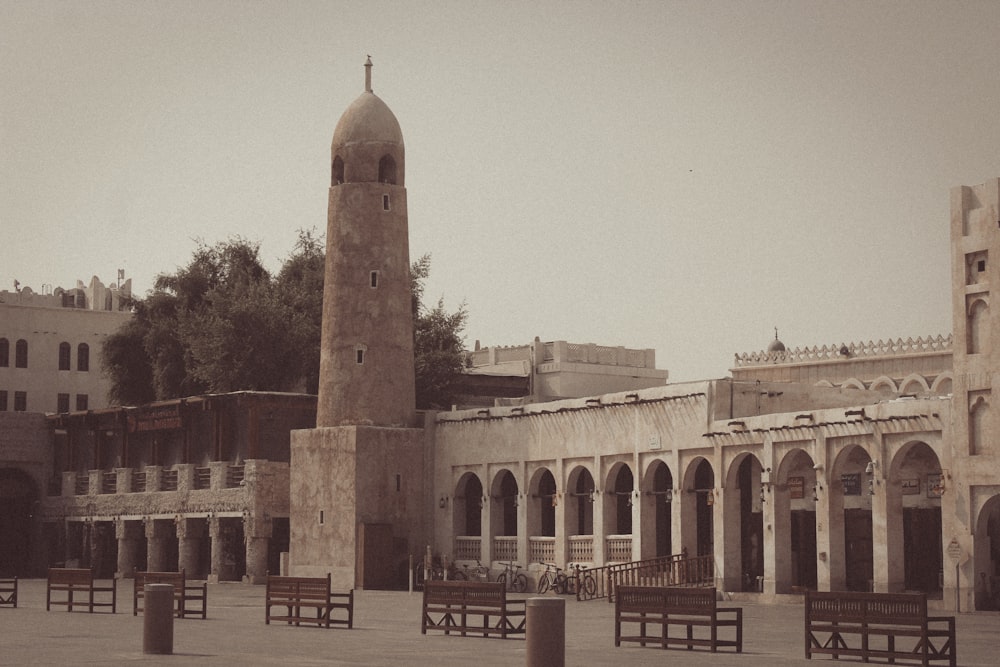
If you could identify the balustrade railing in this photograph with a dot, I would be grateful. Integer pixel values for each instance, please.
(235, 476)
(109, 482)
(82, 486)
(505, 547)
(168, 480)
(675, 570)
(468, 547)
(618, 548)
(541, 549)
(138, 482)
(581, 548)
(202, 478)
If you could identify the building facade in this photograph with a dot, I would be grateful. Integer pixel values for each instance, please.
(50, 346)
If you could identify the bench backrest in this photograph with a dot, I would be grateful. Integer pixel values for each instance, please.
(143, 578)
(697, 601)
(71, 576)
(477, 593)
(887, 608)
(299, 588)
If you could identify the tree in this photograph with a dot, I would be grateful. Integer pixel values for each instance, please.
(223, 323)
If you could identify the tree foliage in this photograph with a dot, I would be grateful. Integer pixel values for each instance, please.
(224, 323)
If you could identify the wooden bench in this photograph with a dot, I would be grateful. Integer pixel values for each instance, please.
(292, 595)
(73, 582)
(189, 599)
(8, 592)
(453, 606)
(664, 606)
(873, 622)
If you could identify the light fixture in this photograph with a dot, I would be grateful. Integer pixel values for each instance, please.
(443, 502)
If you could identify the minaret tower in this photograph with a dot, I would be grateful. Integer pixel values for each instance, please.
(357, 496)
(366, 359)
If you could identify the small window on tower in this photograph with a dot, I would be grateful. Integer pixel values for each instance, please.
(373, 279)
(385, 202)
(981, 266)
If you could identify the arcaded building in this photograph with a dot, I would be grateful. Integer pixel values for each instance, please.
(846, 466)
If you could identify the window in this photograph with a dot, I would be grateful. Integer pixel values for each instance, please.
(385, 202)
(64, 356)
(3, 400)
(83, 357)
(4, 353)
(338, 171)
(373, 279)
(81, 401)
(20, 401)
(21, 354)
(360, 356)
(387, 170)
(62, 403)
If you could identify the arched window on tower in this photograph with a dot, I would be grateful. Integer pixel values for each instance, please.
(337, 176)
(4, 353)
(64, 351)
(387, 170)
(21, 354)
(977, 327)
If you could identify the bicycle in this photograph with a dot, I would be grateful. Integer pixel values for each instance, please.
(585, 581)
(478, 573)
(553, 578)
(512, 579)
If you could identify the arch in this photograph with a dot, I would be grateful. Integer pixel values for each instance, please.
(387, 170)
(942, 385)
(468, 506)
(884, 384)
(657, 497)
(4, 353)
(697, 523)
(977, 330)
(21, 353)
(581, 493)
(914, 487)
(83, 357)
(824, 383)
(620, 497)
(18, 497)
(914, 384)
(986, 546)
(796, 493)
(979, 414)
(744, 521)
(504, 493)
(542, 508)
(852, 383)
(64, 354)
(337, 171)
(851, 536)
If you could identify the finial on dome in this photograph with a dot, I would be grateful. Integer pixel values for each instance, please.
(368, 75)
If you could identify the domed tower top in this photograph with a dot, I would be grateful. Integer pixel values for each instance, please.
(776, 346)
(367, 144)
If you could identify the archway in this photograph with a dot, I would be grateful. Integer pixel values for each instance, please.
(579, 515)
(795, 496)
(541, 518)
(618, 513)
(700, 483)
(916, 473)
(467, 517)
(851, 488)
(744, 524)
(987, 556)
(18, 497)
(503, 516)
(657, 499)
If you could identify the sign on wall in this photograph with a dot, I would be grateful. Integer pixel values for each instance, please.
(935, 485)
(910, 487)
(796, 488)
(852, 484)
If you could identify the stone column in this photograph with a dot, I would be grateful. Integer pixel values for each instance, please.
(128, 533)
(156, 545)
(215, 534)
(727, 516)
(778, 541)
(888, 560)
(190, 532)
(258, 540)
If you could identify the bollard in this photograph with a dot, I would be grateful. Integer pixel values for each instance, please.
(545, 632)
(158, 619)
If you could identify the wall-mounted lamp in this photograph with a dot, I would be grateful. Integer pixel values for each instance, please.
(667, 495)
(870, 470)
(711, 497)
(443, 502)
(816, 489)
(765, 483)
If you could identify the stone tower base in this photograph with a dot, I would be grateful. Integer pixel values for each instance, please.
(356, 504)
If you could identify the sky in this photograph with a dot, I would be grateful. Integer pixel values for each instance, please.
(677, 175)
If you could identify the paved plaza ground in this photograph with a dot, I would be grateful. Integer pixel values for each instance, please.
(387, 632)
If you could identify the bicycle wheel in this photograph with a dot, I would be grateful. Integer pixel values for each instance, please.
(520, 583)
(589, 585)
(458, 575)
(418, 576)
(502, 579)
(560, 585)
(544, 583)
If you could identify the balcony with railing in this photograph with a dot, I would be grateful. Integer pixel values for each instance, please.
(581, 548)
(618, 548)
(202, 478)
(468, 547)
(109, 482)
(541, 549)
(505, 547)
